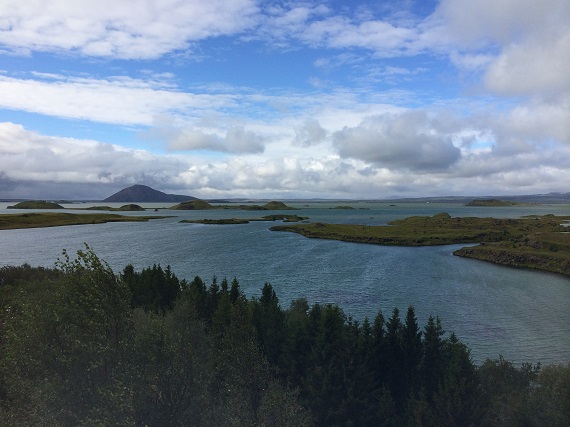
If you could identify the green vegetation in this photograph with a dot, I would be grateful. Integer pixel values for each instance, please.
(193, 205)
(83, 346)
(36, 204)
(285, 218)
(56, 219)
(343, 207)
(202, 205)
(548, 251)
(491, 203)
(271, 206)
(531, 242)
(125, 208)
(275, 206)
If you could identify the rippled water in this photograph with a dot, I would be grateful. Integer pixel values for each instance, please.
(521, 315)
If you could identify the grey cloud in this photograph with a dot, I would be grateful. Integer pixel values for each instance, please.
(238, 140)
(309, 133)
(404, 141)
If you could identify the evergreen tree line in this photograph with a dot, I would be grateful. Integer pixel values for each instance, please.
(80, 345)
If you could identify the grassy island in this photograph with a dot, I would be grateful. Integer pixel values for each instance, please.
(202, 205)
(532, 242)
(36, 204)
(491, 203)
(193, 205)
(125, 208)
(284, 218)
(56, 219)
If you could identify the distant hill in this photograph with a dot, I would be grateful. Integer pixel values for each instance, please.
(529, 198)
(36, 204)
(142, 193)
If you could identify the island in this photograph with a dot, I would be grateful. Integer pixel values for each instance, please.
(193, 205)
(230, 221)
(491, 203)
(36, 204)
(203, 205)
(539, 242)
(56, 219)
(131, 207)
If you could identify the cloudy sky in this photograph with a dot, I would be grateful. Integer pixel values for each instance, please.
(284, 99)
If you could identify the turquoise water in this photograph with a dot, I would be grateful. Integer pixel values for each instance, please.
(521, 315)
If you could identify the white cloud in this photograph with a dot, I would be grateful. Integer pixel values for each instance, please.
(134, 29)
(27, 156)
(44, 166)
(522, 46)
(119, 100)
(538, 67)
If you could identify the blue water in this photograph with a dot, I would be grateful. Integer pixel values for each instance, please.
(519, 314)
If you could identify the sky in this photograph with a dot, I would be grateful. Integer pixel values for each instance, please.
(284, 99)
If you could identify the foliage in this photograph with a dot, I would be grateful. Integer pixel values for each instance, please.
(36, 204)
(80, 345)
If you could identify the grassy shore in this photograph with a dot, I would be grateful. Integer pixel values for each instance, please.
(56, 219)
(538, 242)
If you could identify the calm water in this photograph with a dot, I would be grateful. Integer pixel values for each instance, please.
(521, 315)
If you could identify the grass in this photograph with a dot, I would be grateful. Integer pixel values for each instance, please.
(36, 204)
(125, 208)
(285, 218)
(202, 205)
(539, 242)
(56, 219)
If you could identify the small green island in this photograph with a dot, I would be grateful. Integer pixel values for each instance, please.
(538, 242)
(492, 203)
(343, 207)
(56, 219)
(195, 205)
(230, 221)
(36, 204)
(131, 207)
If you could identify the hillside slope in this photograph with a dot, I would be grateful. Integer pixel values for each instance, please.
(143, 193)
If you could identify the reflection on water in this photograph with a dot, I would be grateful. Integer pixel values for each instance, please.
(521, 315)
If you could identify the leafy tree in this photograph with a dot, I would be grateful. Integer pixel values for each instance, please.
(68, 352)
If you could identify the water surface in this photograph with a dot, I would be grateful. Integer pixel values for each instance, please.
(519, 314)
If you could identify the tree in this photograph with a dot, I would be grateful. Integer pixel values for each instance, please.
(411, 354)
(433, 362)
(69, 351)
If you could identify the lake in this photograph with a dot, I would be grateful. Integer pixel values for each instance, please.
(522, 315)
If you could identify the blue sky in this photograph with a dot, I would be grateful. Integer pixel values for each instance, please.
(284, 99)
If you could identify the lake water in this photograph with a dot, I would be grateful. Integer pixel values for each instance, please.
(521, 315)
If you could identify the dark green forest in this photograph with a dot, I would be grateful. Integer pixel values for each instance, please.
(83, 346)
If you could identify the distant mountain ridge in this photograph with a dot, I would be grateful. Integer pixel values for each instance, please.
(143, 193)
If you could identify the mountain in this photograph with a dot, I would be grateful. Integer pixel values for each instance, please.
(142, 193)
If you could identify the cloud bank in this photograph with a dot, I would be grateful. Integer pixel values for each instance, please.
(363, 123)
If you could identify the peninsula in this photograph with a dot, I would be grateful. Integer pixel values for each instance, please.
(539, 242)
(56, 219)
